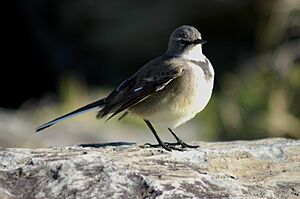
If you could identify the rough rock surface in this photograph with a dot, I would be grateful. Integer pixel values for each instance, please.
(268, 168)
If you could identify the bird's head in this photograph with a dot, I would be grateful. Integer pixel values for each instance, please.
(185, 41)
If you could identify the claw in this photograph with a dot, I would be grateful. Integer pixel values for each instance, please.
(165, 145)
(182, 144)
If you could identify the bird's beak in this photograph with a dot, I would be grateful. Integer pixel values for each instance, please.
(199, 41)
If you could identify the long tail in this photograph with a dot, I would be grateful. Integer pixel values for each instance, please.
(84, 109)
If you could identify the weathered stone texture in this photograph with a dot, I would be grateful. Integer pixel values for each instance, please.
(268, 168)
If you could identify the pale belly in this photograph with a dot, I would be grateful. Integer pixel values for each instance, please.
(179, 101)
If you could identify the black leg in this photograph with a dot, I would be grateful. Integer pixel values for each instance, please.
(180, 142)
(160, 142)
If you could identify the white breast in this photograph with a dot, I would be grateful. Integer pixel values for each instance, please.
(202, 90)
(192, 99)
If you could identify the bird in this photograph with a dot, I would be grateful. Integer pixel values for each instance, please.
(168, 91)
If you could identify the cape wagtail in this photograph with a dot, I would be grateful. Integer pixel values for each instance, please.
(169, 90)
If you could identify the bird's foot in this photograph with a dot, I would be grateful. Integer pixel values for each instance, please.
(182, 144)
(179, 141)
(165, 145)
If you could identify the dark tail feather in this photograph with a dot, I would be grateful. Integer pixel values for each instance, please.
(81, 110)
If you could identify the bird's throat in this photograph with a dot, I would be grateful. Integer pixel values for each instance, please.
(194, 53)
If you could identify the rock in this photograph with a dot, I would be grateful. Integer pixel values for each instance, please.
(268, 168)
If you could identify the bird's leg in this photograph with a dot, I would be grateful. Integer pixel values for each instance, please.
(180, 142)
(160, 142)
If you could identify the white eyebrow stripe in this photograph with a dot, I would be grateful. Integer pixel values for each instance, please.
(137, 89)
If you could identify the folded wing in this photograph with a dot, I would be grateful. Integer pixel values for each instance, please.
(138, 88)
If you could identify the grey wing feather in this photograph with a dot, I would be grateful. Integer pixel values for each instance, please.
(137, 88)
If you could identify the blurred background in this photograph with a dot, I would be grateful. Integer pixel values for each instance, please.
(61, 54)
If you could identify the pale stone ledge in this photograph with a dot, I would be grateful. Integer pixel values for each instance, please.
(268, 168)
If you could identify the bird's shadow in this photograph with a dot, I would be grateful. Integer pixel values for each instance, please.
(101, 145)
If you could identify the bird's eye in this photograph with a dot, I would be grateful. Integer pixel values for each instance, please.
(182, 42)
